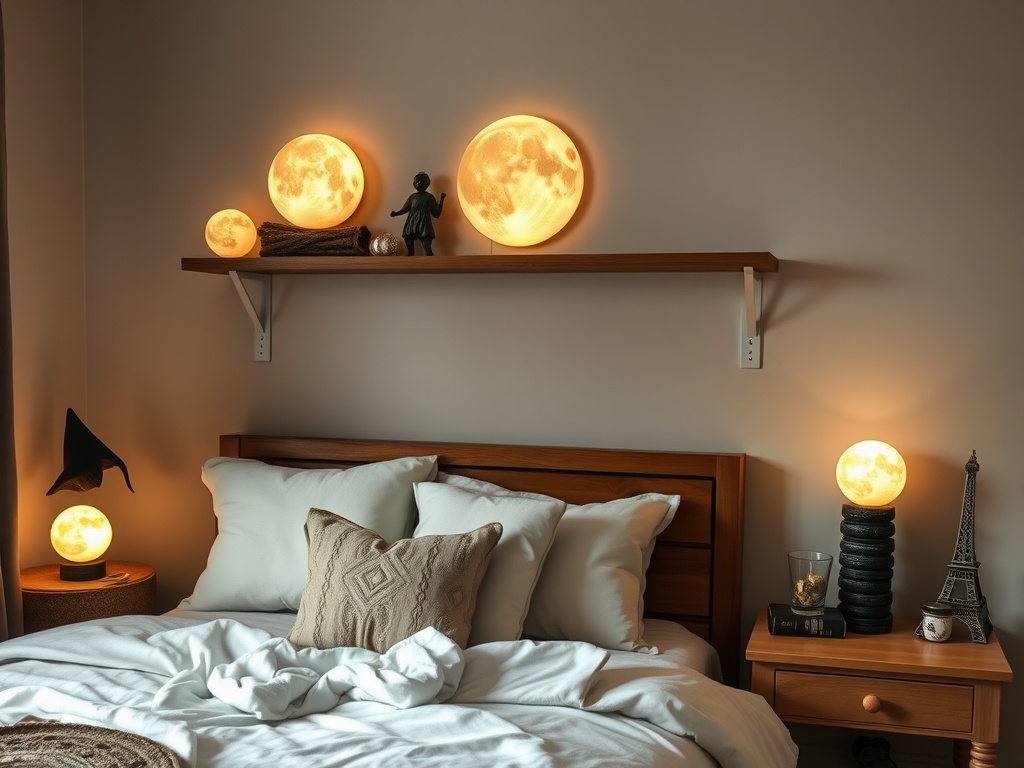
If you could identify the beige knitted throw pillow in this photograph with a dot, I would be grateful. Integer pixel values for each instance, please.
(363, 593)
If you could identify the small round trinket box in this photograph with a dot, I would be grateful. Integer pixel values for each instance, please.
(937, 621)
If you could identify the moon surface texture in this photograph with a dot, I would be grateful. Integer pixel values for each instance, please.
(520, 180)
(315, 181)
(230, 233)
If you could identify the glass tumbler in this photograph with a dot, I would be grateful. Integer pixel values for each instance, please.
(808, 581)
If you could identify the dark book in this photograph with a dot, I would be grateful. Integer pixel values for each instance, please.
(783, 620)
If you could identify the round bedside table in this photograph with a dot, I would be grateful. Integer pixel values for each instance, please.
(50, 602)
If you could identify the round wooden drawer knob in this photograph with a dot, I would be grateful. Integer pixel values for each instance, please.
(872, 703)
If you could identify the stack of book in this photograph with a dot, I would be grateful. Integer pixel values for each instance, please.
(783, 620)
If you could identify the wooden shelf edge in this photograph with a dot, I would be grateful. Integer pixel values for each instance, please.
(760, 261)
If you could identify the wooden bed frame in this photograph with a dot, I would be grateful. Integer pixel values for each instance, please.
(694, 576)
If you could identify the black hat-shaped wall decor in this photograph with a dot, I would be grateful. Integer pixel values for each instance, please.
(85, 458)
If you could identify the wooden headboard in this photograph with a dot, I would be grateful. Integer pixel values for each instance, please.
(694, 576)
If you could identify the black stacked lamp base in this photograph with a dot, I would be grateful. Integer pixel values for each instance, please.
(865, 568)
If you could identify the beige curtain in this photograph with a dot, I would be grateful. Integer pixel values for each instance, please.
(10, 582)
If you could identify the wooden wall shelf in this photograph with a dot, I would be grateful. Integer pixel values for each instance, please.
(515, 263)
(259, 271)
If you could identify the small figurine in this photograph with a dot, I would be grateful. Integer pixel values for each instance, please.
(420, 206)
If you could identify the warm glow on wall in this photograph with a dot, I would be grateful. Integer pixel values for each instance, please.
(520, 180)
(81, 533)
(315, 181)
(871, 473)
(230, 233)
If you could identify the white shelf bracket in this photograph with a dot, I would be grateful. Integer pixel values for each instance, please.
(750, 340)
(258, 309)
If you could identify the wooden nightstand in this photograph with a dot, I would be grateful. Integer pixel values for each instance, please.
(50, 602)
(892, 682)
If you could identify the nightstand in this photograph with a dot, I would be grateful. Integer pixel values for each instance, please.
(893, 682)
(50, 602)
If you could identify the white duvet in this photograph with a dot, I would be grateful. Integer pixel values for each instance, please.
(222, 693)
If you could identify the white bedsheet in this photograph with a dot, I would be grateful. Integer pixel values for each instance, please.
(206, 688)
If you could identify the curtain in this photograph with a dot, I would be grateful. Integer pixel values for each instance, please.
(10, 582)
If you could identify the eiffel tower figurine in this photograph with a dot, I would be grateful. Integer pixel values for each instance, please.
(962, 590)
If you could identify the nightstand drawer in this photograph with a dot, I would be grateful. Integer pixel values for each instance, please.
(840, 699)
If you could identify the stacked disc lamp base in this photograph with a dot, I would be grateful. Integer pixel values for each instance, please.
(866, 567)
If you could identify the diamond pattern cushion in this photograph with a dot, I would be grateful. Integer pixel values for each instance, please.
(363, 593)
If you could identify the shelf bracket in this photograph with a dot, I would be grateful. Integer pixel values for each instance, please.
(258, 309)
(750, 340)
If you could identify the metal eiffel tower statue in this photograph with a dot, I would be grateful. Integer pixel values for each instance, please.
(962, 590)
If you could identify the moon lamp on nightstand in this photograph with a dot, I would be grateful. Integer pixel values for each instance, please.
(81, 534)
(230, 233)
(315, 181)
(520, 180)
(871, 474)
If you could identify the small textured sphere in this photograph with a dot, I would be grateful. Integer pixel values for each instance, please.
(230, 233)
(386, 244)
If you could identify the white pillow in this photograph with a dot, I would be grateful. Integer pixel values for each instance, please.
(592, 585)
(258, 561)
(528, 526)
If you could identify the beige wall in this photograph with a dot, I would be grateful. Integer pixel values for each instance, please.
(873, 147)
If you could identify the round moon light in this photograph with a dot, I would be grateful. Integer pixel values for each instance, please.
(230, 233)
(315, 181)
(80, 533)
(871, 473)
(520, 180)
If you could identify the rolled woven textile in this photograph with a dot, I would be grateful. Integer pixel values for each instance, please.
(288, 240)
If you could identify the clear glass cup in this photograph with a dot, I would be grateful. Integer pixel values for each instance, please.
(808, 581)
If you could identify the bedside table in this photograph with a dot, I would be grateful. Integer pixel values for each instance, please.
(50, 602)
(893, 682)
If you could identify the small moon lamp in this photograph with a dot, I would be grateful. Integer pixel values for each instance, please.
(871, 473)
(315, 181)
(520, 180)
(81, 534)
(386, 244)
(230, 233)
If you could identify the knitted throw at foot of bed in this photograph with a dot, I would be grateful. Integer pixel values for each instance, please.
(71, 745)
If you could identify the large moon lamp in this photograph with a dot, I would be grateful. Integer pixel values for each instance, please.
(520, 180)
(871, 473)
(81, 534)
(315, 181)
(230, 233)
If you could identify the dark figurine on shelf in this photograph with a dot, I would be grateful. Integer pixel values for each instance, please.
(421, 207)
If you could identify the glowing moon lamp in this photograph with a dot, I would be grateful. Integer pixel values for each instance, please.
(81, 533)
(315, 181)
(871, 473)
(520, 180)
(230, 233)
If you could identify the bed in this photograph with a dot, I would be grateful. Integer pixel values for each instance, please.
(412, 603)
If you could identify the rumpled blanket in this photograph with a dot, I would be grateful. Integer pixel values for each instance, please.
(225, 674)
(276, 681)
